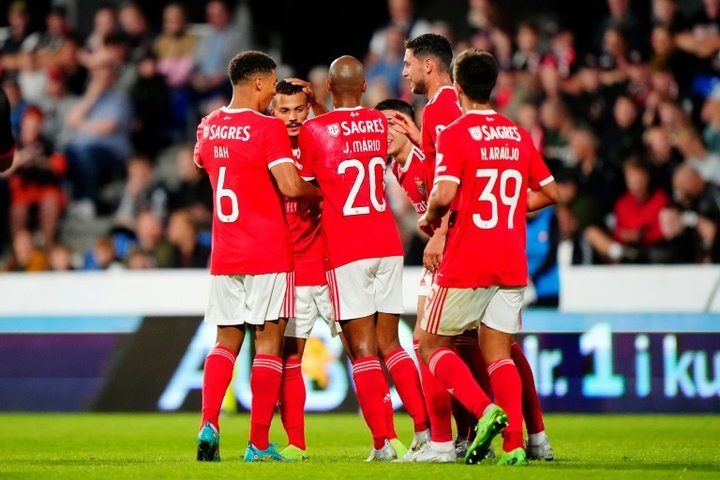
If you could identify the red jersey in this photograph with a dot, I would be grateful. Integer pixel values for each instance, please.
(345, 151)
(307, 243)
(633, 216)
(411, 178)
(440, 111)
(494, 162)
(237, 148)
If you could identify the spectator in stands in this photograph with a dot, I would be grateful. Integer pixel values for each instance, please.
(663, 157)
(214, 51)
(61, 258)
(141, 192)
(152, 241)
(317, 76)
(56, 104)
(139, 260)
(593, 99)
(105, 23)
(558, 123)
(710, 114)
(693, 223)
(20, 39)
(701, 39)
(187, 250)
(387, 68)
(150, 95)
(665, 55)
(100, 143)
(193, 192)
(636, 236)
(666, 13)
(17, 103)
(31, 77)
(102, 255)
(528, 117)
(624, 136)
(404, 18)
(26, 256)
(577, 211)
(117, 48)
(543, 238)
(594, 174)
(529, 52)
(691, 146)
(621, 18)
(174, 49)
(134, 23)
(58, 47)
(35, 180)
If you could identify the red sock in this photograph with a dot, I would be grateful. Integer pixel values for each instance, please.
(389, 414)
(217, 375)
(371, 388)
(437, 401)
(265, 379)
(468, 348)
(531, 402)
(407, 381)
(508, 393)
(456, 377)
(292, 403)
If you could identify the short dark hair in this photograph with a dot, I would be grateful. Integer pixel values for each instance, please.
(396, 104)
(432, 45)
(476, 71)
(248, 63)
(283, 87)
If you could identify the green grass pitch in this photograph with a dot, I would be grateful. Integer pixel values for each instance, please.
(162, 446)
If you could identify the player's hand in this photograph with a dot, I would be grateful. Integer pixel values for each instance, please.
(405, 125)
(307, 88)
(425, 226)
(432, 256)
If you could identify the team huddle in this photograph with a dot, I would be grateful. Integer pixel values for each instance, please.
(315, 237)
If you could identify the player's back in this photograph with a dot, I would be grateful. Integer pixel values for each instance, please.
(237, 148)
(345, 151)
(440, 111)
(495, 162)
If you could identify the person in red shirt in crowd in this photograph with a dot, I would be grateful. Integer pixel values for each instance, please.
(345, 151)
(251, 263)
(488, 175)
(637, 211)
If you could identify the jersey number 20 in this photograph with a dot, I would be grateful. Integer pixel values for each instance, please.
(350, 208)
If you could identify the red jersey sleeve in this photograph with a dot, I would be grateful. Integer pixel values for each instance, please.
(539, 174)
(306, 160)
(448, 161)
(277, 144)
(197, 158)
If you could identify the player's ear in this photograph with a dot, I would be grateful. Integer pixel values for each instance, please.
(258, 82)
(428, 65)
(328, 86)
(364, 86)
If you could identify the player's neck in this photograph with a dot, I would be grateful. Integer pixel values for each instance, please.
(239, 101)
(294, 142)
(468, 106)
(437, 84)
(402, 156)
(346, 102)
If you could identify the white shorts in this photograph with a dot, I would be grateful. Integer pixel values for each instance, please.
(451, 311)
(251, 299)
(311, 302)
(366, 286)
(427, 279)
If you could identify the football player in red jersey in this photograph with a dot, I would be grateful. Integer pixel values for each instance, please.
(489, 174)
(345, 151)
(292, 104)
(251, 263)
(427, 68)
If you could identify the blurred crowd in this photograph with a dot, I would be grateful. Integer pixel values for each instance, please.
(105, 120)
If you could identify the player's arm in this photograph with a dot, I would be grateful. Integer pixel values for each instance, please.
(292, 185)
(547, 195)
(7, 141)
(441, 197)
